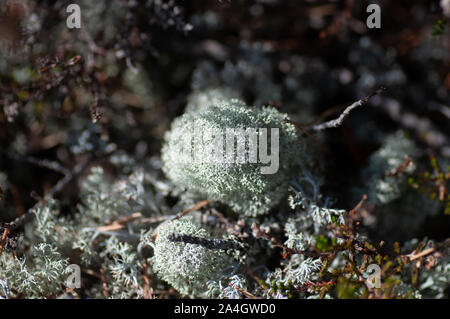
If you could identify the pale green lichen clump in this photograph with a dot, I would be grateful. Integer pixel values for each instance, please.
(189, 268)
(190, 156)
(388, 190)
(382, 187)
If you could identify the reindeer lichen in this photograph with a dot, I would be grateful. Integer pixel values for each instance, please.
(195, 159)
(188, 267)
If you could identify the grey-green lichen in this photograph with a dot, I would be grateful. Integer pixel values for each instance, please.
(384, 188)
(193, 159)
(390, 194)
(189, 267)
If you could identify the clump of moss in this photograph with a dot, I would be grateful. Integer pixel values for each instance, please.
(197, 155)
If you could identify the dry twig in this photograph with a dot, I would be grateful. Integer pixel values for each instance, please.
(337, 122)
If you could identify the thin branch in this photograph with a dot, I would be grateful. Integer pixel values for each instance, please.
(192, 209)
(439, 247)
(401, 168)
(68, 176)
(337, 122)
(3, 239)
(359, 205)
(244, 292)
(120, 223)
(426, 252)
(105, 289)
(147, 287)
(51, 165)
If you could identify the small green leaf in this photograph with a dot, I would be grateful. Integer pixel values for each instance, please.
(439, 27)
(322, 243)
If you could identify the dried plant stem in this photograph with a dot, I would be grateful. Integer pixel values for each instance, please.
(245, 293)
(337, 122)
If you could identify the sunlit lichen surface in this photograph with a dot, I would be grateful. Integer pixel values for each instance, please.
(250, 188)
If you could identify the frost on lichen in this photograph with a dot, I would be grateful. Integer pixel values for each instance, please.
(191, 269)
(194, 156)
